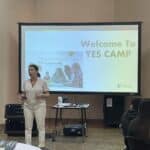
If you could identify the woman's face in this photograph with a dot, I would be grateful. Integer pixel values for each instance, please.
(32, 72)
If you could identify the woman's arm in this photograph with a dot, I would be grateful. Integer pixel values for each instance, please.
(43, 95)
(22, 96)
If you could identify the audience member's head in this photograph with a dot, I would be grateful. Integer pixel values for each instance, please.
(139, 128)
(144, 108)
(135, 104)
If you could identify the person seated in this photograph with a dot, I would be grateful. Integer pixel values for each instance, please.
(128, 116)
(68, 72)
(58, 76)
(139, 128)
(77, 80)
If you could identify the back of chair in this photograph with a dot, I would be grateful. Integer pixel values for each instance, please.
(137, 144)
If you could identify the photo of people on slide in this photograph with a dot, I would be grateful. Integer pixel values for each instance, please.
(61, 69)
(58, 76)
(70, 76)
(77, 80)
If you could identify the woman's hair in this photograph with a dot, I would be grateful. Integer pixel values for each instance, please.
(36, 68)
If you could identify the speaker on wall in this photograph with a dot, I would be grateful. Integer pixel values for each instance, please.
(113, 109)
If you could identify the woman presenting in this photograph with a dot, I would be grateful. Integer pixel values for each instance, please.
(35, 92)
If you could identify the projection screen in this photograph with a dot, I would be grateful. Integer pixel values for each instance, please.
(82, 57)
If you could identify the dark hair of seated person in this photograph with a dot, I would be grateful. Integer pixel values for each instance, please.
(139, 128)
(128, 116)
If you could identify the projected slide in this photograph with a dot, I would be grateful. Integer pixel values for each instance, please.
(93, 58)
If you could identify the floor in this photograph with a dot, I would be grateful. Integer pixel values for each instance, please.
(98, 138)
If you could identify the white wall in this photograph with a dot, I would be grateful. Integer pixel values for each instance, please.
(75, 10)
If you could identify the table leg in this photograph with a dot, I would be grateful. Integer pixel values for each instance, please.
(85, 121)
(82, 116)
(56, 118)
(60, 115)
